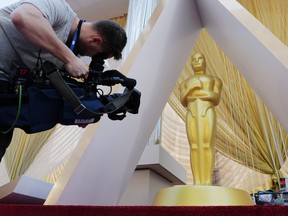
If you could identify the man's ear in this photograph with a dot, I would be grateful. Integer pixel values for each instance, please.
(97, 40)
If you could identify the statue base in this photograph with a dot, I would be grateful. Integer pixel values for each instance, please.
(184, 195)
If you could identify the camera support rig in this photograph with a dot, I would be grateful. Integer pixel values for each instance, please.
(79, 108)
(54, 97)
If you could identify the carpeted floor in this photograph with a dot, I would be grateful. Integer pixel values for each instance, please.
(39, 210)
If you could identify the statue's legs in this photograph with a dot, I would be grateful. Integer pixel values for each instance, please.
(192, 133)
(201, 133)
(207, 127)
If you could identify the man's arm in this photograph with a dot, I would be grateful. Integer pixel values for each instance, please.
(31, 23)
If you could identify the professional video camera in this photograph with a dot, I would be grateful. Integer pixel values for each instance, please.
(47, 96)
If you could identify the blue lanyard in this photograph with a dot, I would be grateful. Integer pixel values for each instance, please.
(76, 35)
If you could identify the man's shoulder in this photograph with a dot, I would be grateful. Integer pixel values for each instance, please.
(49, 5)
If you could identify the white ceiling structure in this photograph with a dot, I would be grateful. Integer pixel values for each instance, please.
(92, 10)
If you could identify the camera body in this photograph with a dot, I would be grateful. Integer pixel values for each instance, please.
(43, 105)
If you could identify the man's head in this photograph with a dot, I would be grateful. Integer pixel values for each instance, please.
(198, 62)
(104, 37)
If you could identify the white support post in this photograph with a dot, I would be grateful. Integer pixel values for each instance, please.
(102, 172)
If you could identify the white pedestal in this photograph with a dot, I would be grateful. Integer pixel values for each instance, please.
(25, 190)
(156, 170)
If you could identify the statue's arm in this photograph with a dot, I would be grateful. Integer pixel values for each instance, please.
(188, 87)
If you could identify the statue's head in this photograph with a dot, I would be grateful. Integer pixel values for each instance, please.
(198, 62)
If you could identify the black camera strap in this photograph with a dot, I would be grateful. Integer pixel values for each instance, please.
(64, 90)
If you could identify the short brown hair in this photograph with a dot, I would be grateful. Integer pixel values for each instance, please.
(113, 35)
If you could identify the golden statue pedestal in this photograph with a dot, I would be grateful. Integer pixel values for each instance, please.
(202, 196)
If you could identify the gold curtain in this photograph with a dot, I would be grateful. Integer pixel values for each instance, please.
(23, 150)
(247, 132)
(121, 20)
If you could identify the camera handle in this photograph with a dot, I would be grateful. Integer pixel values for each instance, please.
(79, 108)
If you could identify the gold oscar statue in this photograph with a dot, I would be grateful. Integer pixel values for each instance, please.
(201, 94)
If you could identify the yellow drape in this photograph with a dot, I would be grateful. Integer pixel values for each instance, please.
(22, 151)
(121, 20)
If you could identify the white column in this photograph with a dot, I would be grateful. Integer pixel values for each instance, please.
(108, 162)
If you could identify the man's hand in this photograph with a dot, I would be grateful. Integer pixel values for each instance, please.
(77, 68)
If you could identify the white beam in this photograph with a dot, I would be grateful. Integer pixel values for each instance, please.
(108, 162)
(253, 49)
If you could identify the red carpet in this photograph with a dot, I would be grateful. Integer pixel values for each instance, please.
(39, 210)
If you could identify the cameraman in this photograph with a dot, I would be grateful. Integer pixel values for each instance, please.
(32, 31)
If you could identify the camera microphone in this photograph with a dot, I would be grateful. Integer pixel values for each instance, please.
(108, 81)
(130, 83)
(127, 82)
